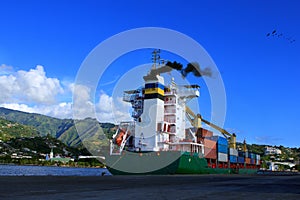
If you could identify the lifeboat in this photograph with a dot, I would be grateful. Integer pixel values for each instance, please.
(120, 137)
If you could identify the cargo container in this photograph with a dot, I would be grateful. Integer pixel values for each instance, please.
(257, 162)
(233, 152)
(209, 143)
(257, 157)
(210, 153)
(222, 148)
(241, 160)
(210, 148)
(206, 133)
(252, 161)
(247, 160)
(222, 157)
(243, 154)
(252, 155)
(249, 155)
(220, 140)
(233, 159)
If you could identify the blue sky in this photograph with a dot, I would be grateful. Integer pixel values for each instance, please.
(261, 74)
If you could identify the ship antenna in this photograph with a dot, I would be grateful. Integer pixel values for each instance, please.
(156, 57)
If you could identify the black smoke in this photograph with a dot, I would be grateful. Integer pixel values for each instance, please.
(193, 68)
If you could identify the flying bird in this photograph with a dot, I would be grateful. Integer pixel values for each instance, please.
(281, 35)
(273, 33)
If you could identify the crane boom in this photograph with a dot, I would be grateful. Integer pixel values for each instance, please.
(230, 137)
(196, 122)
(193, 118)
(224, 132)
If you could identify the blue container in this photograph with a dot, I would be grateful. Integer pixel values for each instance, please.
(241, 154)
(241, 160)
(219, 140)
(223, 141)
(233, 159)
(251, 155)
(252, 161)
(244, 154)
(223, 148)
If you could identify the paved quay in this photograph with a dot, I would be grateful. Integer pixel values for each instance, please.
(151, 187)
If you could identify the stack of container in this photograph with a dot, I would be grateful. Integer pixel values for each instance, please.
(206, 133)
(222, 148)
(248, 161)
(241, 157)
(210, 148)
(257, 159)
(233, 155)
(241, 160)
(252, 157)
(202, 133)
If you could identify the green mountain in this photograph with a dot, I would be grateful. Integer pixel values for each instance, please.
(42, 145)
(9, 130)
(92, 132)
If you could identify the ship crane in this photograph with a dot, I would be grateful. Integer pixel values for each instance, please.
(196, 122)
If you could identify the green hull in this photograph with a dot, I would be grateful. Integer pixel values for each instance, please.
(173, 163)
(193, 164)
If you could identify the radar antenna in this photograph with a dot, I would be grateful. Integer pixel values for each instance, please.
(156, 57)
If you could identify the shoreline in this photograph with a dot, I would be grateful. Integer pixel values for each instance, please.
(75, 166)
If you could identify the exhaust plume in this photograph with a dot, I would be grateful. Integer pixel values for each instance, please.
(193, 67)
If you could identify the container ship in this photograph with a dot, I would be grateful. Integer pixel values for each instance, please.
(158, 141)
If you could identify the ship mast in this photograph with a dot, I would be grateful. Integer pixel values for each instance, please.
(155, 58)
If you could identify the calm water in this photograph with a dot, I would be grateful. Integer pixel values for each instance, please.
(17, 170)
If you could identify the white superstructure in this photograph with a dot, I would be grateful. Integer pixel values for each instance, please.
(159, 117)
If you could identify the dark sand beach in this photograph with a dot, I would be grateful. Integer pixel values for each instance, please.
(151, 187)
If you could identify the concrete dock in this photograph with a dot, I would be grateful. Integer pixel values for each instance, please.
(151, 187)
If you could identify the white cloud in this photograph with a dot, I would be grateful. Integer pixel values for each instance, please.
(83, 106)
(111, 109)
(19, 107)
(32, 91)
(8, 87)
(29, 87)
(62, 110)
(5, 69)
(105, 103)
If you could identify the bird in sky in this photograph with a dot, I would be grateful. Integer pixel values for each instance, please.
(281, 35)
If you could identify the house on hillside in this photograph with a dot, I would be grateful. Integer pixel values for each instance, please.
(272, 151)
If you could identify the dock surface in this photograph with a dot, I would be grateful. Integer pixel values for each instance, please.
(151, 187)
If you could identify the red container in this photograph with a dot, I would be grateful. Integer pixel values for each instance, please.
(206, 133)
(248, 161)
(209, 143)
(210, 153)
(210, 148)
